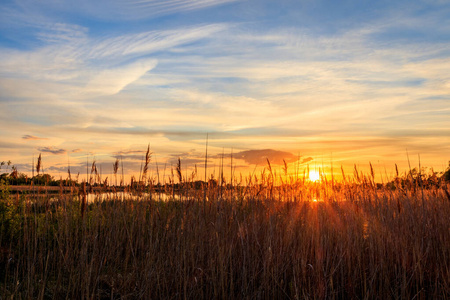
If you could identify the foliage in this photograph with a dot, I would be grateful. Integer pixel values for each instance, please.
(4, 189)
(446, 175)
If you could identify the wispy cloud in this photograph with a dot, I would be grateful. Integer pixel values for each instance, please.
(133, 155)
(150, 41)
(52, 150)
(89, 67)
(112, 81)
(60, 33)
(276, 157)
(32, 137)
(132, 10)
(158, 7)
(250, 76)
(25, 10)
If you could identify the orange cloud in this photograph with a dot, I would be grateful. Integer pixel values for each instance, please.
(32, 137)
(260, 157)
(52, 150)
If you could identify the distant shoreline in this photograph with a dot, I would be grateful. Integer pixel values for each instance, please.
(75, 189)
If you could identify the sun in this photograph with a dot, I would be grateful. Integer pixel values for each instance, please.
(314, 175)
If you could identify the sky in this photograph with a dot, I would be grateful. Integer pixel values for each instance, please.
(316, 83)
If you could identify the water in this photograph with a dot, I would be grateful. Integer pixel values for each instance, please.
(104, 196)
(121, 196)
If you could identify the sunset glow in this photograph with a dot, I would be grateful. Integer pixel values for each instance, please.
(304, 81)
(314, 175)
(224, 149)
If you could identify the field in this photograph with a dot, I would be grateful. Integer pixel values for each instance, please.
(257, 239)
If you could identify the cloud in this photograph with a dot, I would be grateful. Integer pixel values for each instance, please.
(250, 85)
(134, 155)
(11, 145)
(76, 150)
(186, 162)
(84, 67)
(32, 137)
(73, 169)
(306, 160)
(61, 33)
(104, 167)
(112, 81)
(52, 150)
(188, 159)
(148, 42)
(132, 10)
(125, 152)
(260, 157)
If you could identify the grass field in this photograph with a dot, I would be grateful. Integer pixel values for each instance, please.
(301, 240)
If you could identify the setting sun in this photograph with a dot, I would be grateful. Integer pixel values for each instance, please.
(314, 175)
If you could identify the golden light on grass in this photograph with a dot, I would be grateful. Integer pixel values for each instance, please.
(350, 230)
(314, 175)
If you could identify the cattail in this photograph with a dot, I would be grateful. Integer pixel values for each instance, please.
(147, 161)
(115, 169)
(116, 166)
(285, 169)
(179, 170)
(356, 174)
(93, 171)
(343, 174)
(93, 168)
(194, 172)
(38, 165)
(371, 171)
(269, 166)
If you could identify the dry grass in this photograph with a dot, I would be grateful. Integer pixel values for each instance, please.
(258, 241)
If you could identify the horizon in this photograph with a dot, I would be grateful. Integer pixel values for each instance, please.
(339, 84)
(224, 167)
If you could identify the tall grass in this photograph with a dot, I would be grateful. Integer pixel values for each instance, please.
(257, 240)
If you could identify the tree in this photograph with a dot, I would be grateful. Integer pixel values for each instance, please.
(446, 175)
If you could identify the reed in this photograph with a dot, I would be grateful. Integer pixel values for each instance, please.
(263, 240)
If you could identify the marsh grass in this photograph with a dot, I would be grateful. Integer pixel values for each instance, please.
(258, 239)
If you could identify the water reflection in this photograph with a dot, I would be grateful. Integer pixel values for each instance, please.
(110, 196)
(122, 196)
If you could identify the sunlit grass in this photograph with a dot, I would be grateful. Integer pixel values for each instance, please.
(260, 237)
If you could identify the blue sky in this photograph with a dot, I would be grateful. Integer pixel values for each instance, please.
(351, 81)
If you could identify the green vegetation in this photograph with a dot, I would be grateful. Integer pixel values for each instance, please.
(252, 239)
